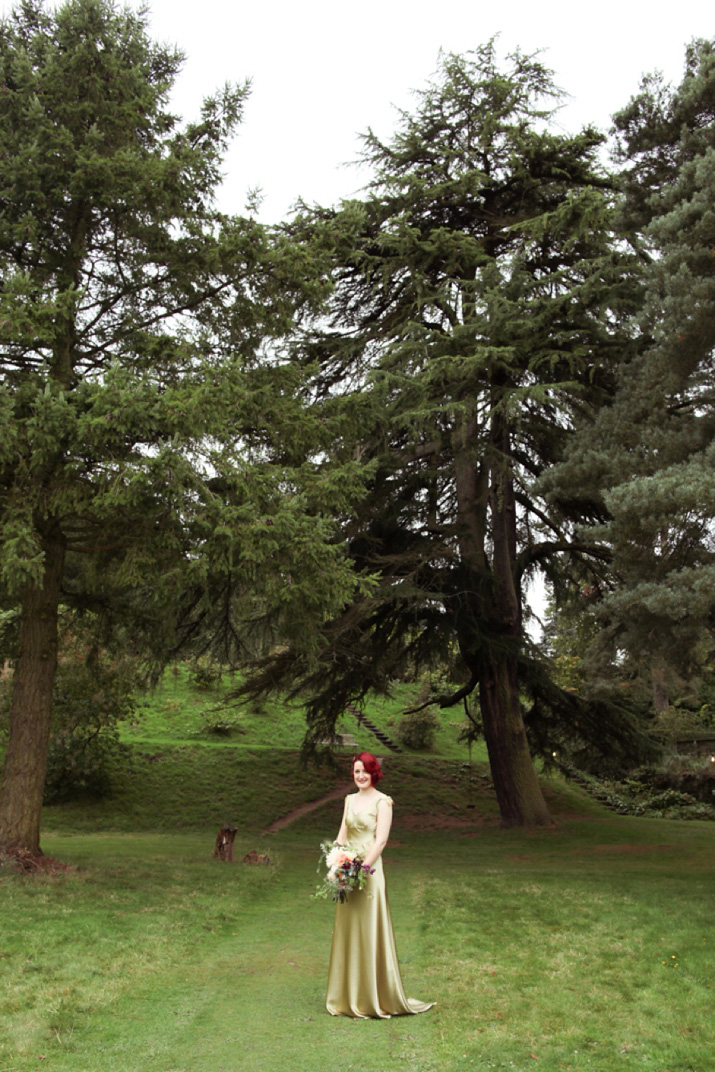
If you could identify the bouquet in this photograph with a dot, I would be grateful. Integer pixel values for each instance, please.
(346, 872)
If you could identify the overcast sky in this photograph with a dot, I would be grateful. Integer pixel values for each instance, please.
(323, 71)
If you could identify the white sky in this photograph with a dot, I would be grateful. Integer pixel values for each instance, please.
(323, 71)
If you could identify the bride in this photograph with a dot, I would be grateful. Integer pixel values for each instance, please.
(364, 975)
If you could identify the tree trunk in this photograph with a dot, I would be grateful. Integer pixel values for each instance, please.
(521, 801)
(224, 843)
(23, 779)
(660, 688)
(517, 788)
(493, 659)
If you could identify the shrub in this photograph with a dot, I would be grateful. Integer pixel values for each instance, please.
(680, 721)
(417, 729)
(205, 674)
(635, 796)
(221, 721)
(91, 698)
(92, 695)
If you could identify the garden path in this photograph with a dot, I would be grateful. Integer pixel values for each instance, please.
(297, 813)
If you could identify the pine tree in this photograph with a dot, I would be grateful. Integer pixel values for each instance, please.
(651, 455)
(477, 306)
(144, 447)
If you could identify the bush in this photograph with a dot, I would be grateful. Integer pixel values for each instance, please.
(91, 696)
(637, 796)
(417, 729)
(221, 721)
(205, 674)
(680, 721)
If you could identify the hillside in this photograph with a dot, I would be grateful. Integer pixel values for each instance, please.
(177, 774)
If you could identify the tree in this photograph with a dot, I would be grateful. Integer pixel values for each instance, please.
(651, 455)
(93, 693)
(477, 306)
(137, 425)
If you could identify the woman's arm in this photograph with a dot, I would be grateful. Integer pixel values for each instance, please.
(382, 833)
(343, 831)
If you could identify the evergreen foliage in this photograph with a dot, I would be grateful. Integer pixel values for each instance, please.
(479, 303)
(144, 452)
(651, 455)
(92, 696)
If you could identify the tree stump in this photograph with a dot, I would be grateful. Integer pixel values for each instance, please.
(254, 857)
(224, 843)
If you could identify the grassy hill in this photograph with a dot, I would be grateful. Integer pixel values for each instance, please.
(178, 774)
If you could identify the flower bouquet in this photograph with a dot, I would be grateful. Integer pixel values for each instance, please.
(346, 872)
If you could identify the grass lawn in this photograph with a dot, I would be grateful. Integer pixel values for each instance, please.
(584, 947)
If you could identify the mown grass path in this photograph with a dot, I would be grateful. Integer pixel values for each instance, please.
(585, 947)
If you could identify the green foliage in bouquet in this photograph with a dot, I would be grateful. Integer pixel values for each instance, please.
(346, 873)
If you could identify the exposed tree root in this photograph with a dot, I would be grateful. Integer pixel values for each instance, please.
(25, 862)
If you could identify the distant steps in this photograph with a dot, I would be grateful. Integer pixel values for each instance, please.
(365, 721)
(594, 789)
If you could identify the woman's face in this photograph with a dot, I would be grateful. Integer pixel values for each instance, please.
(360, 775)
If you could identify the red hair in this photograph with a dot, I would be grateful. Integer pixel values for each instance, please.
(371, 765)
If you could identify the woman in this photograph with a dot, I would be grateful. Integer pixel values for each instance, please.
(364, 976)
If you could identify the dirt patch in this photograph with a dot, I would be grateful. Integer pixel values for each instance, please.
(444, 821)
(29, 863)
(304, 809)
(408, 821)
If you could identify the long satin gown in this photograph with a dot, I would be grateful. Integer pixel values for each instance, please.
(364, 975)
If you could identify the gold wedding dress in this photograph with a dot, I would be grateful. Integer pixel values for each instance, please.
(364, 976)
